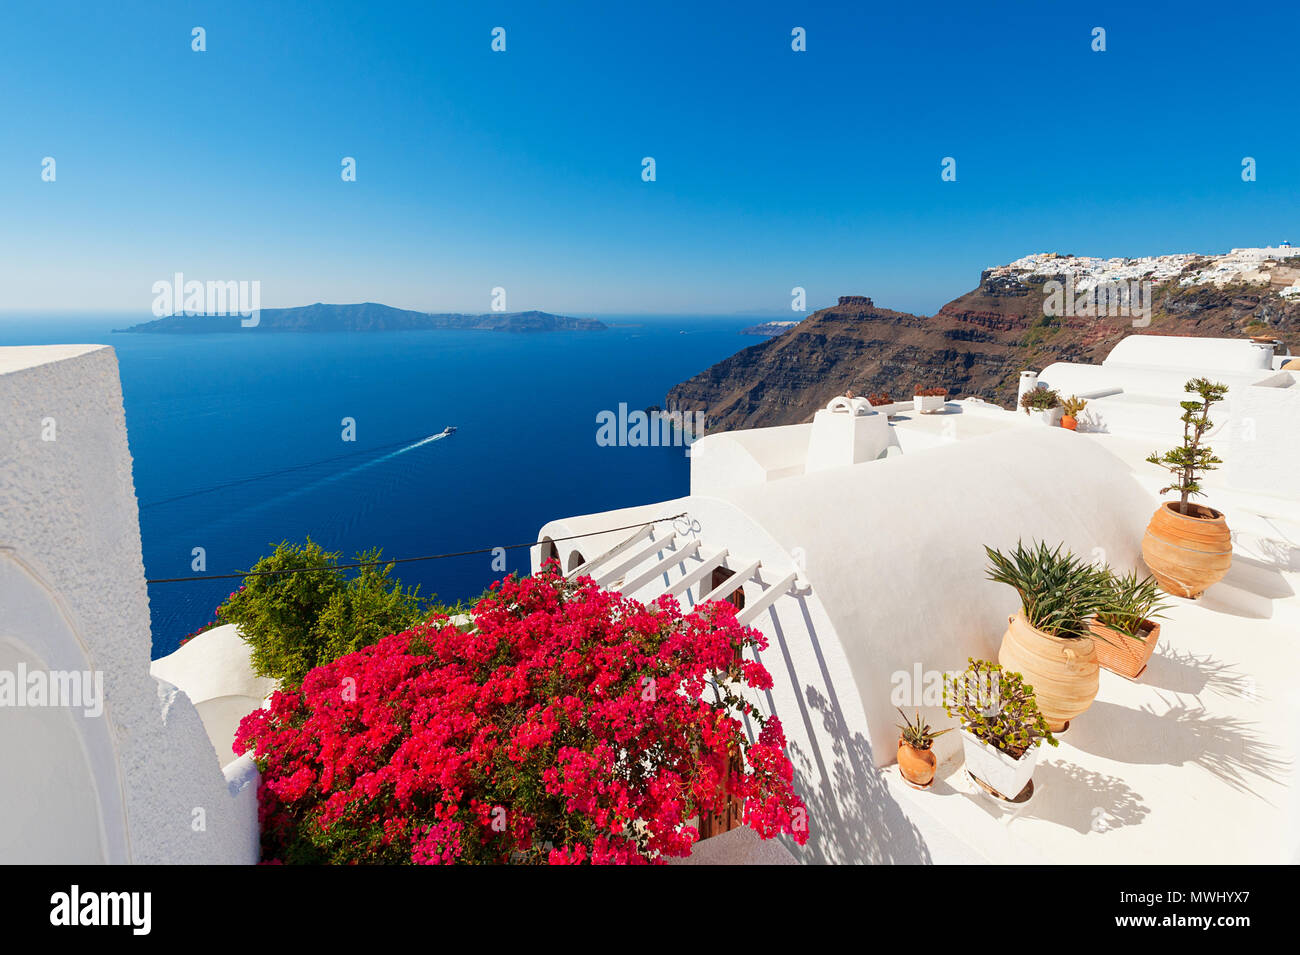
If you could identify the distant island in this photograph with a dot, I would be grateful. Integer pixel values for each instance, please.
(768, 329)
(367, 317)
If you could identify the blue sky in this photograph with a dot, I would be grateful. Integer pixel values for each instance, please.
(522, 169)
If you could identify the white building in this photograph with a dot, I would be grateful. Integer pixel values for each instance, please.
(857, 543)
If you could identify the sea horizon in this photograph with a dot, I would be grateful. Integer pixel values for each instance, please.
(239, 444)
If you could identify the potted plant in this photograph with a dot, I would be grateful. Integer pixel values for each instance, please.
(1044, 404)
(1188, 546)
(1001, 726)
(916, 762)
(928, 400)
(1071, 408)
(1049, 640)
(1126, 627)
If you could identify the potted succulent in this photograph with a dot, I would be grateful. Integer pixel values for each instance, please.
(1188, 546)
(1001, 726)
(1071, 408)
(929, 400)
(1044, 404)
(1049, 640)
(1125, 628)
(916, 762)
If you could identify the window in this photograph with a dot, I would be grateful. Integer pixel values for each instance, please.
(720, 576)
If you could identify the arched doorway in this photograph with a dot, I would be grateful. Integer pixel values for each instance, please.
(549, 551)
(60, 792)
(576, 560)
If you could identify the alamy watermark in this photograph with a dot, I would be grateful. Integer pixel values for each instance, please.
(75, 907)
(652, 428)
(923, 687)
(176, 296)
(1109, 299)
(68, 689)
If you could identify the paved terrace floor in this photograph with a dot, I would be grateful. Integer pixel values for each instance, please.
(1194, 762)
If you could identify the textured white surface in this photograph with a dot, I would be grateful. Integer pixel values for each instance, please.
(1263, 447)
(68, 515)
(214, 671)
(1191, 355)
(738, 847)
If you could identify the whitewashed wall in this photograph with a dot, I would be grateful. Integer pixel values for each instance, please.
(1263, 446)
(72, 595)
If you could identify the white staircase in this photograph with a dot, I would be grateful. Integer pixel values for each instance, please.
(682, 564)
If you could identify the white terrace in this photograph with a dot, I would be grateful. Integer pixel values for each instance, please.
(856, 544)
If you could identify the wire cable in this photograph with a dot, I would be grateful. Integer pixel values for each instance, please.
(406, 560)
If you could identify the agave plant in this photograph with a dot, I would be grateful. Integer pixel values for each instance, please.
(1130, 602)
(1059, 593)
(917, 734)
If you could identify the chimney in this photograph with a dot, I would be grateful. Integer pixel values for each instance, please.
(847, 431)
(1028, 382)
(1267, 349)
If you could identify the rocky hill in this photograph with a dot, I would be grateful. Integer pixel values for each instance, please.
(367, 317)
(978, 344)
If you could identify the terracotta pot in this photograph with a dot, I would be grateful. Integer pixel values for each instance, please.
(1120, 653)
(1062, 670)
(916, 765)
(1070, 421)
(1187, 552)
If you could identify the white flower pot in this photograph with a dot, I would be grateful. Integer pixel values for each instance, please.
(1051, 417)
(926, 404)
(994, 767)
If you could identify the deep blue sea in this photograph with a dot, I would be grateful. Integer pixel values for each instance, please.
(207, 413)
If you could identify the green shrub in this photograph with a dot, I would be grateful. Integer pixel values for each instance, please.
(294, 622)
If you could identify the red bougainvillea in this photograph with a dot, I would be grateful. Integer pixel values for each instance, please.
(568, 724)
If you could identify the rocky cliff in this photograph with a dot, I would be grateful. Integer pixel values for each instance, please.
(979, 343)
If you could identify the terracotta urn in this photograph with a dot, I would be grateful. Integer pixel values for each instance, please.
(1121, 653)
(1062, 670)
(1187, 552)
(916, 765)
(1070, 422)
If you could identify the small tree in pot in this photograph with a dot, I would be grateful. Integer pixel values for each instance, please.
(1188, 546)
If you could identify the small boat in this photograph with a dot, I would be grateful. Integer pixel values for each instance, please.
(450, 429)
